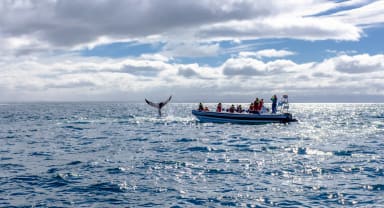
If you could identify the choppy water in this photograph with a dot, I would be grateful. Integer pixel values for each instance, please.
(122, 155)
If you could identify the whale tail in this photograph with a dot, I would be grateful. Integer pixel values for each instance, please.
(160, 105)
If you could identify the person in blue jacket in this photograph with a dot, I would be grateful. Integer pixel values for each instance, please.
(274, 103)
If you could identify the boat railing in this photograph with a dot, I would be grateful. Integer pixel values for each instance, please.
(284, 104)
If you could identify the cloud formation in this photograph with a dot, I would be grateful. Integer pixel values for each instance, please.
(266, 53)
(359, 64)
(66, 24)
(40, 42)
(95, 76)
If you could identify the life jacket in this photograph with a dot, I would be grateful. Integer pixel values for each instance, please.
(260, 106)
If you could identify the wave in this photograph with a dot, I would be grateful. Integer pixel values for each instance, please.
(120, 155)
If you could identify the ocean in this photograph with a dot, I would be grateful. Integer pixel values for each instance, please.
(124, 155)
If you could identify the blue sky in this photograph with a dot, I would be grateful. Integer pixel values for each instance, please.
(306, 51)
(210, 51)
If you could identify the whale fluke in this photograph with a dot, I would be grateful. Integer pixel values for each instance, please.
(160, 105)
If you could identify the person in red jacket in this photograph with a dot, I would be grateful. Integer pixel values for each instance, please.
(261, 103)
(219, 108)
(256, 104)
(251, 108)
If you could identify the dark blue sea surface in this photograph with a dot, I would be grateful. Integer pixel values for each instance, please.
(123, 155)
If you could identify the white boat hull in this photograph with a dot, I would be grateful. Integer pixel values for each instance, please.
(242, 118)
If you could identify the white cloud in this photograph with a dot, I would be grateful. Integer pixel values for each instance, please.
(282, 26)
(253, 67)
(71, 24)
(339, 53)
(367, 15)
(243, 67)
(190, 49)
(358, 64)
(188, 72)
(266, 53)
(154, 57)
(39, 41)
(98, 78)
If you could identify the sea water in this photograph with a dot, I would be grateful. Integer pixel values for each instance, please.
(124, 155)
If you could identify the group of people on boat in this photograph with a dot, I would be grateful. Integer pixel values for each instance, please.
(202, 108)
(232, 109)
(257, 106)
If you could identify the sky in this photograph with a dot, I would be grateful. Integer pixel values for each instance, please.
(196, 51)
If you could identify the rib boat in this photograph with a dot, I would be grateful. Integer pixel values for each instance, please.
(242, 118)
